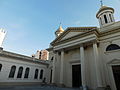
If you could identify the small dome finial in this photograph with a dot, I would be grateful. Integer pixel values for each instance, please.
(59, 30)
(60, 24)
(101, 2)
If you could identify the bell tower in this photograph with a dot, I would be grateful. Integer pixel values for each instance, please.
(105, 15)
(2, 36)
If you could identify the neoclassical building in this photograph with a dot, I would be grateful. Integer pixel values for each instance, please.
(17, 69)
(87, 56)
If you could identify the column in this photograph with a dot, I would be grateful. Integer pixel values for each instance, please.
(112, 18)
(82, 58)
(61, 67)
(108, 17)
(53, 70)
(103, 21)
(97, 68)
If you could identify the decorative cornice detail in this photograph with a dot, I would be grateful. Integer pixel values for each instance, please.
(73, 29)
(22, 57)
(95, 31)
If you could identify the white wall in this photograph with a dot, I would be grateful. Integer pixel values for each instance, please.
(8, 62)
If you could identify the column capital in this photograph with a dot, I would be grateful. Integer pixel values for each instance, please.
(81, 45)
(54, 51)
(63, 49)
(96, 43)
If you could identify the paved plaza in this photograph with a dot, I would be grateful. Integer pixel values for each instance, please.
(35, 88)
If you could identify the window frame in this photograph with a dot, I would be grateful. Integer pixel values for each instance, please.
(0, 67)
(20, 72)
(112, 47)
(41, 73)
(27, 71)
(12, 71)
(36, 74)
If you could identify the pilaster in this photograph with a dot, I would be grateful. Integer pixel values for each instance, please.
(53, 70)
(97, 68)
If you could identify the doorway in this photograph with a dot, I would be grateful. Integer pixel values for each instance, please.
(116, 73)
(51, 76)
(76, 75)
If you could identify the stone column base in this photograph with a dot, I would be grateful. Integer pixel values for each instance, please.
(61, 85)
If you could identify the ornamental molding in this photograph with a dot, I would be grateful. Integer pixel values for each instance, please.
(22, 57)
(94, 31)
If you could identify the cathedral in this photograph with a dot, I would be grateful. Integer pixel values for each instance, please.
(87, 57)
(79, 57)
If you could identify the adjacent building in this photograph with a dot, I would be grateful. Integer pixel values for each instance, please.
(16, 69)
(41, 54)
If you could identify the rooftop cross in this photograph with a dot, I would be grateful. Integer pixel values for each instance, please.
(60, 23)
(101, 1)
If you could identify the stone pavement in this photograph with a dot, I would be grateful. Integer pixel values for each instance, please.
(35, 88)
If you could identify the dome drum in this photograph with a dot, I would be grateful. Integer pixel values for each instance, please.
(105, 16)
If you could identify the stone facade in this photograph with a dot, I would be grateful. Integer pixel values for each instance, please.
(95, 50)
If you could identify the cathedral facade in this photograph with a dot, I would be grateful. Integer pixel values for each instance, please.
(87, 56)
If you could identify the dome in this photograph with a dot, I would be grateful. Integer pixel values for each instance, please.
(103, 8)
(60, 29)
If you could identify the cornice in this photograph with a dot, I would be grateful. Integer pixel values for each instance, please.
(22, 57)
(49, 49)
(95, 31)
(74, 29)
(103, 8)
(112, 31)
(77, 37)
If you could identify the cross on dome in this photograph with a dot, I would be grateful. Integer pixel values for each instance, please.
(101, 1)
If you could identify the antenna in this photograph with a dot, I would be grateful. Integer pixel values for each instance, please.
(60, 24)
(101, 2)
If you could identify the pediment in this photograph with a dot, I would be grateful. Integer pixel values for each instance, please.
(72, 32)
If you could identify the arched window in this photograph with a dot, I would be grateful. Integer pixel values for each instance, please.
(36, 74)
(41, 74)
(105, 17)
(0, 67)
(112, 47)
(52, 58)
(12, 72)
(26, 72)
(19, 75)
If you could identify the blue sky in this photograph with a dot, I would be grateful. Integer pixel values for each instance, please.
(30, 24)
